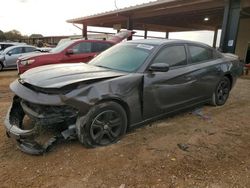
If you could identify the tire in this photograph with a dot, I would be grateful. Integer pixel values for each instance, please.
(104, 124)
(221, 92)
(1, 66)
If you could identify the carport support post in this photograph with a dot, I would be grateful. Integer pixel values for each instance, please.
(230, 26)
(129, 26)
(215, 37)
(167, 35)
(84, 31)
(145, 33)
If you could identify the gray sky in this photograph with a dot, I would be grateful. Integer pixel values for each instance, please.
(48, 17)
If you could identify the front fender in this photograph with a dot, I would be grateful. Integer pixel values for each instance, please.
(127, 90)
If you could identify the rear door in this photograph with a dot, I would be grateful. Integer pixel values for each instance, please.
(82, 52)
(168, 91)
(205, 67)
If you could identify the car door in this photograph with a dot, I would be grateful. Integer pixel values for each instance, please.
(205, 67)
(168, 91)
(12, 55)
(80, 52)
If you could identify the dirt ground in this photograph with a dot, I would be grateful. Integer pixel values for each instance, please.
(218, 153)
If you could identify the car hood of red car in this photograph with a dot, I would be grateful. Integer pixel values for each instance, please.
(35, 55)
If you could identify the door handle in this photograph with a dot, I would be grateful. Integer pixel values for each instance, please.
(188, 78)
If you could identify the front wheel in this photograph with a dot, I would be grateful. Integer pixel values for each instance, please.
(104, 124)
(221, 92)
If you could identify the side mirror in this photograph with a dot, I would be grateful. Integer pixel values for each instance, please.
(159, 67)
(9, 53)
(69, 52)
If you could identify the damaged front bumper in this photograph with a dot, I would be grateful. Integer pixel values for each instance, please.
(42, 116)
(13, 121)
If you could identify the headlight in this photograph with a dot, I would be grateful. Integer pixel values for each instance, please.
(27, 62)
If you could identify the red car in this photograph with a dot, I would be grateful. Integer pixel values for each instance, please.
(72, 51)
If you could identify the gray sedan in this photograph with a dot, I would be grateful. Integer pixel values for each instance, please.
(129, 84)
(9, 56)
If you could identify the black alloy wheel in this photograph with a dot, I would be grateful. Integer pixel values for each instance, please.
(104, 124)
(106, 127)
(222, 91)
(1, 66)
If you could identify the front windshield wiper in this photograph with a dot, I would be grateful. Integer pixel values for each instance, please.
(102, 66)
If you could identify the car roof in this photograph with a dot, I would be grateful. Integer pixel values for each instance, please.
(15, 46)
(14, 43)
(158, 42)
(93, 40)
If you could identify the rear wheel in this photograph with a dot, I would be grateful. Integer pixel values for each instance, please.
(104, 124)
(221, 92)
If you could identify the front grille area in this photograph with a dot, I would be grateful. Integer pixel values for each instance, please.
(45, 114)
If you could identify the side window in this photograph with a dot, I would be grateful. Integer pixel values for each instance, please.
(29, 49)
(199, 54)
(172, 55)
(100, 46)
(17, 50)
(83, 47)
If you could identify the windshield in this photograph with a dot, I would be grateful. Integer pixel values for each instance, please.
(123, 57)
(62, 46)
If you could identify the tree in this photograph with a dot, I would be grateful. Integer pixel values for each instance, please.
(2, 36)
(13, 35)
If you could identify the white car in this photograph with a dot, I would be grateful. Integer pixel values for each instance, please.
(8, 57)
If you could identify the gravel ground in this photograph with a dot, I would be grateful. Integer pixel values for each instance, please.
(217, 151)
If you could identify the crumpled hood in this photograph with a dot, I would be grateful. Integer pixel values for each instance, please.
(60, 75)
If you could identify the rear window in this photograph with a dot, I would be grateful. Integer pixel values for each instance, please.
(29, 49)
(100, 46)
(200, 54)
(82, 47)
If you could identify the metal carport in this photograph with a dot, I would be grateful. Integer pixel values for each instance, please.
(177, 15)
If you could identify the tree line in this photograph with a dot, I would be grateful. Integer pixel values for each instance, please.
(12, 35)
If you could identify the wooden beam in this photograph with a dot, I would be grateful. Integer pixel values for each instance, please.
(181, 8)
(85, 31)
(129, 26)
(215, 37)
(167, 35)
(145, 33)
(155, 27)
(179, 26)
(245, 3)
